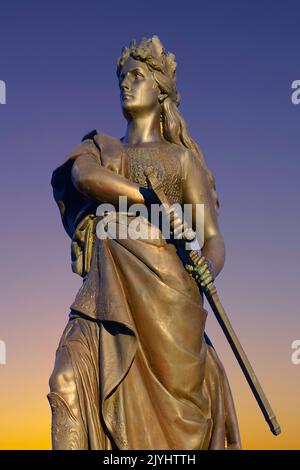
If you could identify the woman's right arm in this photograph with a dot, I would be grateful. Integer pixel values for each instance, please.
(98, 183)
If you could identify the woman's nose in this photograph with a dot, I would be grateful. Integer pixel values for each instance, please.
(124, 85)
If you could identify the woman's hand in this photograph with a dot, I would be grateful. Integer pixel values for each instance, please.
(202, 271)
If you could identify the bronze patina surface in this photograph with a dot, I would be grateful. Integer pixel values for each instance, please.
(134, 368)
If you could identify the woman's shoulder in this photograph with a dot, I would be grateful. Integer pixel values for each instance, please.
(101, 139)
(188, 159)
(109, 147)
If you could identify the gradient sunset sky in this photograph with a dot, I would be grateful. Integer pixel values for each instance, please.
(236, 62)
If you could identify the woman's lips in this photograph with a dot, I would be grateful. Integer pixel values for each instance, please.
(125, 96)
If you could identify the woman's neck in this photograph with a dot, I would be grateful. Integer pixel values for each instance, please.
(143, 130)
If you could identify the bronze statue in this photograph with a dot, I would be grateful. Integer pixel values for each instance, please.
(134, 368)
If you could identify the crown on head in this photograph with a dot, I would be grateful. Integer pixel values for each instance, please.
(152, 51)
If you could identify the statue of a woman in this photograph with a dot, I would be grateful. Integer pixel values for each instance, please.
(134, 368)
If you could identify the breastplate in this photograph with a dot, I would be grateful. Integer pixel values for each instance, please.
(166, 164)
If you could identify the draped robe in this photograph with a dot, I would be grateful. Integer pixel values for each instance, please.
(142, 372)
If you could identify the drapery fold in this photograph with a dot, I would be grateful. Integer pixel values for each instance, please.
(145, 377)
(161, 385)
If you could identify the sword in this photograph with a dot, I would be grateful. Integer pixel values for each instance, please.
(211, 294)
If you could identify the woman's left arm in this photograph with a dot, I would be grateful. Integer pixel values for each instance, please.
(196, 191)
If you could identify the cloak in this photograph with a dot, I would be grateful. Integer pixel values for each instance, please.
(146, 376)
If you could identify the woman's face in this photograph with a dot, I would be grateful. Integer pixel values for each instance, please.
(139, 91)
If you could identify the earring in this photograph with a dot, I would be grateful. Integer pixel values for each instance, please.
(161, 124)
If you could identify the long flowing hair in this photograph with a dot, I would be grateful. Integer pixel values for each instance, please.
(173, 126)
